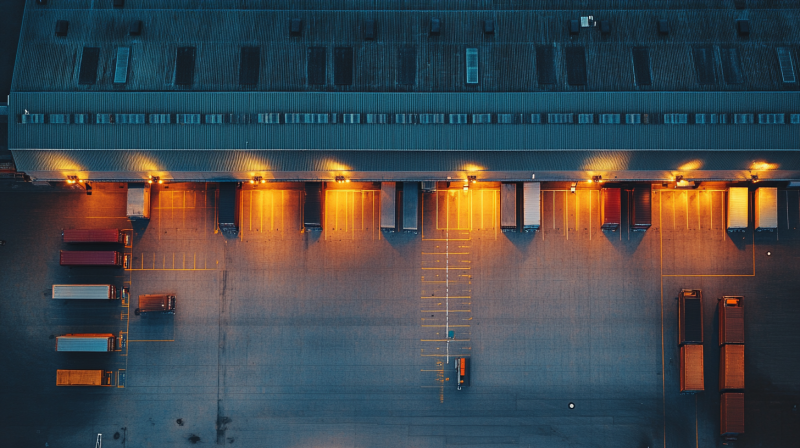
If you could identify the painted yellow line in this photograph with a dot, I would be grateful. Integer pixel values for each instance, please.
(176, 269)
(151, 340)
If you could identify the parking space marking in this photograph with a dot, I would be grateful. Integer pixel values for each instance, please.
(173, 268)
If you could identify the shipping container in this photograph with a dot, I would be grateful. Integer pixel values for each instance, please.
(731, 413)
(611, 209)
(531, 205)
(731, 320)
(85, 343)
(156, 303)
(91, 258)
(690, 317)
(312, 206)
(508, 206)
(737, 208)
(410, 205)
(85, 292)
(462, 372)
(228, 206)
(731, 367)
(139, 200)
(691, 362)
(641, 215)
(766, 205)
(388, 206)
(83, 378)
(94, 236)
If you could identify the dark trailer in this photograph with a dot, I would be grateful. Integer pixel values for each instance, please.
(642, 216)
(690, 317)
(731, 320)
(312, 206)
(611, 210)
(91, 258)
(228, 208)
(93, 236)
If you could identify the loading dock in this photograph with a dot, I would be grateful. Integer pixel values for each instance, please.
(531, 206)
(411, 206)
(388, 206)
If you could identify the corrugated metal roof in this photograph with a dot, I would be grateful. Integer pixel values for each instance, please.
(396, 136)
(507, 57)
(394, 161)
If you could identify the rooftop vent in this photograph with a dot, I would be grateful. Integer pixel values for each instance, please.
(369, 30)
(787, 67)
(641, 66)
(296, 27)
(89, 60)
(472, 65)
(315, 70)
(574, 26)
(587, 21)
(544, 64)
(343, 66)
(704, 64)
(41, 2)
(249, 66)
(488, 26)
(740, 4)
(605, 27)
(576, 66)
(663, 26)
(119, 3)
(62, 27)
(407, 75)
(121, 69)
(184, 66)
(732, 71)
(436, 26)
(743, 27)
(136, 28)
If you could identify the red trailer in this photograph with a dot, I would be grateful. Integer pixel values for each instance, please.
(611, 210)
(731, 414)
(691, 361)
(731, 320)
(93, 236)
(91, 258)
(731, 367)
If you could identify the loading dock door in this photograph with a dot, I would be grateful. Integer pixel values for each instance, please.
(531, 208)
(508, 206)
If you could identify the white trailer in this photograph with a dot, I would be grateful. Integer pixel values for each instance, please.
(139, 200)
(531, 206)
(85, 343)
(388, 206)
(766, 208)
(85, 292)
(737, 208)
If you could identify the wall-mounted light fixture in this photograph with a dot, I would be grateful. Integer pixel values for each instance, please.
(678, 178)
(72, 179)
(342, 180)
(257, 180)
(597, 179)
(754, 178)
(472, 179)
(573, 187)
(155, 179)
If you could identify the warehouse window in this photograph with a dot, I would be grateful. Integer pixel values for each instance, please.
(159, 119)
(129, 118)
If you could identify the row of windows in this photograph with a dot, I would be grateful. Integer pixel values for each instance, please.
(278, 118)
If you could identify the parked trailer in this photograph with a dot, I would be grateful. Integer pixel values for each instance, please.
(531, 206)
(94, 236)
(228, 207)
(731, 367)
(737, 208)
(731, 414)
(690, 317)
(612, 209)
(85, 292)
(766, 205)
(691, 365)
(508, 206)
(138, 200)
(642, 215)
(91, 258)
(84, 378)
(731, 320)
(85, 342)
(462, 372)
(411, 206)
(312, 206)
(388, 206)
(156, 303)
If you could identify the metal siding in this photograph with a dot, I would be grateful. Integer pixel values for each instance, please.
(738, 198)
(531, 209)
(82, 344)
(612, 216)
(83, 292)
(388, 205)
